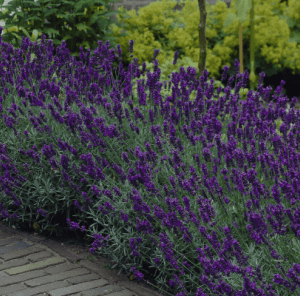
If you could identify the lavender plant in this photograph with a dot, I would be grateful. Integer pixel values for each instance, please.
(204, 192)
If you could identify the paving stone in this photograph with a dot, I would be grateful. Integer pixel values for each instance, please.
(37, 266)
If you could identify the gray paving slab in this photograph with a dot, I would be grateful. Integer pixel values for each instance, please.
(36, 265)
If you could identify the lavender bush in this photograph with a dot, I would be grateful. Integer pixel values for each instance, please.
(204, 192)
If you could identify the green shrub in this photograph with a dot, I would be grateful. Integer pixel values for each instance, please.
(87, 24)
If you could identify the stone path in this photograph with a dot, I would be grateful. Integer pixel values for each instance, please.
(34, 265)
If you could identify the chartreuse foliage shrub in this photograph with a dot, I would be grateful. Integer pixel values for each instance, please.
(203, 194)
(157, 26)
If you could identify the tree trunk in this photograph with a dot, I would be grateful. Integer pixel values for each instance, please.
(202, 38)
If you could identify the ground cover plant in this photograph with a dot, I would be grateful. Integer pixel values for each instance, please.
(203, 191)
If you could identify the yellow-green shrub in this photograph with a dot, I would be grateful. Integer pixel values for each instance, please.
(155, 28)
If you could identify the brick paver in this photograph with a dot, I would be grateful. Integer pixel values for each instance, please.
(28, 267)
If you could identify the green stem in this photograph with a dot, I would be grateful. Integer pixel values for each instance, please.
(252, 54)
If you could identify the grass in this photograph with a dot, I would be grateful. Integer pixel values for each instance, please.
(162, 207)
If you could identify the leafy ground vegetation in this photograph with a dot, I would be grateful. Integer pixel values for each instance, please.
(203, 192)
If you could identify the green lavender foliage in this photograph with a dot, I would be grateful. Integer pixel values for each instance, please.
(81, 152)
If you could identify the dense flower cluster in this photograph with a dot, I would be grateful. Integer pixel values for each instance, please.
(184, 220)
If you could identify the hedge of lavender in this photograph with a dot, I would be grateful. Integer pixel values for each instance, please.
(203, 192)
